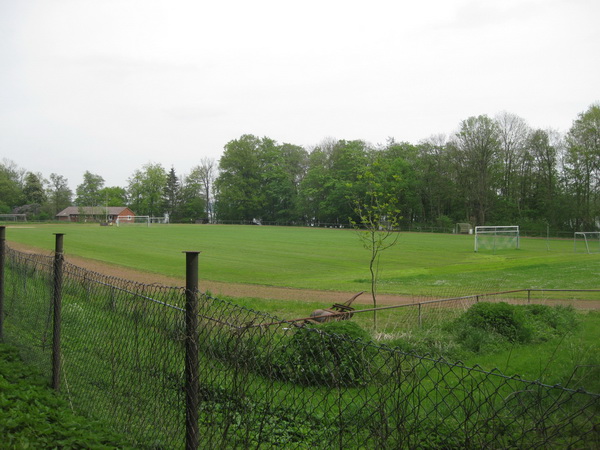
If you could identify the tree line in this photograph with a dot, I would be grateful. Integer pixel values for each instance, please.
(492, 170)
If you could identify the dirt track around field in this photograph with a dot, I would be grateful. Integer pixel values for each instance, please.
(225, 289)
(257, 291)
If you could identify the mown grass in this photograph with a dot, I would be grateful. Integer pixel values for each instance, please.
(422, 264)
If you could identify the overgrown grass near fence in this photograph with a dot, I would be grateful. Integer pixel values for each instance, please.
(280, 385)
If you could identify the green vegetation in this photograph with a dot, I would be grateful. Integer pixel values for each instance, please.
(254, 378)
(491, 327)
(571, 359)
(488, 334)
(33, 416)
(278, 385)
(490, 171)
(437, 265)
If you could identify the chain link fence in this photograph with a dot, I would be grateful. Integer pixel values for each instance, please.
(263, 382)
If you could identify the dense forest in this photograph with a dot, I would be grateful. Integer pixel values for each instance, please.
(495, 171)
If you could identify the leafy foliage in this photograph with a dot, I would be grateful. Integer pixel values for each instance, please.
(500, 318)
(491, 327)
(33, 416)
(334, 353)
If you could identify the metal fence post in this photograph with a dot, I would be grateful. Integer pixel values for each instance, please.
(57, 306)
(191, 350)
(2, 261)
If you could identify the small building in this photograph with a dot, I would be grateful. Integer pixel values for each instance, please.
(94, 213)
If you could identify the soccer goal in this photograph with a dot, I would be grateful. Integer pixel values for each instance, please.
(13, 217)
(133, 220)
(496, 237)
(586, 242)
(159, 220)
(463, 228)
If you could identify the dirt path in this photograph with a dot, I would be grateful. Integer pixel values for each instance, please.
(249, 290)
(224, 289)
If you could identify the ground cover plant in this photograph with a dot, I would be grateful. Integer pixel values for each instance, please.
(436, 265)
(33, 416)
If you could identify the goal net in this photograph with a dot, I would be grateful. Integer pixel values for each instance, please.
(463, 228)
(587, 242)
(133, 220)
(496, 237)
(159, 220)
(13, 218)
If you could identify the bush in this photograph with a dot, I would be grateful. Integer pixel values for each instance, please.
(548, 322)
(335, 353)
(501, 318)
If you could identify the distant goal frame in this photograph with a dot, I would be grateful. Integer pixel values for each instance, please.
(13, 217)
(585, 234)
(503, 236)
(132, 221)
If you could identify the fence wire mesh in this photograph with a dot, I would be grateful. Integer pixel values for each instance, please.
(271, 383)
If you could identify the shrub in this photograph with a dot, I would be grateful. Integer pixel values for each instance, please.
(501, 318)
(335, 353)
(548, 322)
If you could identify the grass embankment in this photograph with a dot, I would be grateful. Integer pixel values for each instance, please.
(32, 416)
(571, 359)
(436, 265)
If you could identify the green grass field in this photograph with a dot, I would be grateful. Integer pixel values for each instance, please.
(438, 265)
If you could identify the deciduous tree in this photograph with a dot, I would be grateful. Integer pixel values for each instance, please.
(583, 167)
(11, 186)
(58, 193)
(146, 189)
(477, 150)
(378, 219)
(88, 192)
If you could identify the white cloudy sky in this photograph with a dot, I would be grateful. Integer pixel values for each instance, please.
(110, 85)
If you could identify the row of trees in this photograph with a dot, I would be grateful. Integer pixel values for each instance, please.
(151, 191)
(490, 171)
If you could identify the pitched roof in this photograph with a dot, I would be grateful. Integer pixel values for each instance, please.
(92, 210)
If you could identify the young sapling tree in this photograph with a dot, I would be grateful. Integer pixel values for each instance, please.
(377, 224)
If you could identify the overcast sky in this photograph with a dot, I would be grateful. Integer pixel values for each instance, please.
(110, 85)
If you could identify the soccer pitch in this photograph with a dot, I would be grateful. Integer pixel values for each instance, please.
(437, 265)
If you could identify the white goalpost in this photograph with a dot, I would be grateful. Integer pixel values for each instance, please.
(586, 242)
(133, 220)
(13, 217)
(496, 237)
